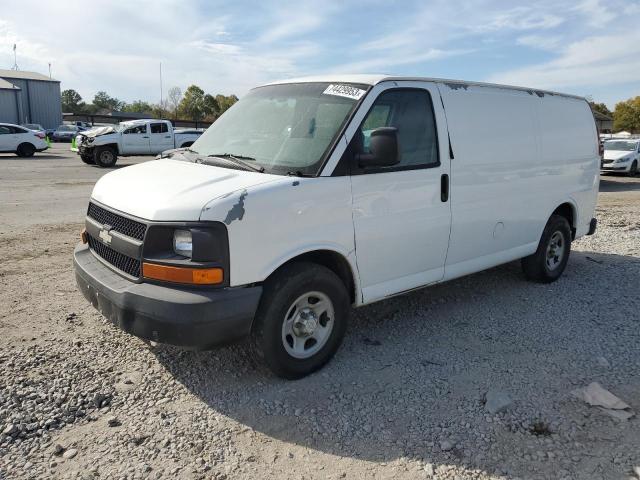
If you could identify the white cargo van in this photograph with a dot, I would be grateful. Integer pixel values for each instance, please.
(313, 195)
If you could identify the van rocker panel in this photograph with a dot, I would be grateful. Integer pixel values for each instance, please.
(187, 317)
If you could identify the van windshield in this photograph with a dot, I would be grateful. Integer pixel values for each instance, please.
(284, 129)
(620, 145)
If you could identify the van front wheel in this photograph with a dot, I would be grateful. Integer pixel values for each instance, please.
(301, 320)
(550, 259)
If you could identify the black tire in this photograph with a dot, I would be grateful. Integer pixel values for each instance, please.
(633, 171)
(279, 296)
(88, 159)
(105, 157)
(546, 265)
(25, 150)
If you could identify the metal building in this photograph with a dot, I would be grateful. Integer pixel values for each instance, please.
(8, 102)
(29, 97)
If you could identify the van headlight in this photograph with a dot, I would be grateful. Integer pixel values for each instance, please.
(183, 243)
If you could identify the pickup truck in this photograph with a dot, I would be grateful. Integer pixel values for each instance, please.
(103, 145)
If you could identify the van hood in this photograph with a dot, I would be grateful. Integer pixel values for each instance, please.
(616, 154)
(171, 190)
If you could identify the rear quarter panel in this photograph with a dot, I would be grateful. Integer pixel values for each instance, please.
(518, 155)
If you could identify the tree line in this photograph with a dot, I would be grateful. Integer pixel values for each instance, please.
(194, 104)
(626, 115)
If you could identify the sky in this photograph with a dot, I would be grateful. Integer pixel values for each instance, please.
(585, 47)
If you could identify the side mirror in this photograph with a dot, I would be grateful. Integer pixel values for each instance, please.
(384, 149)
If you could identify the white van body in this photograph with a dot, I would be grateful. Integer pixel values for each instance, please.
(507, 159)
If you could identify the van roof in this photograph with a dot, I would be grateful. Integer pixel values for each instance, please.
(374, 79)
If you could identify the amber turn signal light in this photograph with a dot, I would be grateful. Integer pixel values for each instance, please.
(83, 236)
(187, 275)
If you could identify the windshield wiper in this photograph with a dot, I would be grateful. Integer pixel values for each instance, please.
(240, 160)
(298, 173)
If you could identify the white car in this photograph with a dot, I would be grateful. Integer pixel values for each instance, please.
(621, 155)
(311, 196)
(20, 140)
(103, 145)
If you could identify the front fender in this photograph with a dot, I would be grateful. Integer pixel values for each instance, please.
(272, 223)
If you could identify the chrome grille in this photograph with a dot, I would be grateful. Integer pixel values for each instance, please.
(120, 224)
(128, 265)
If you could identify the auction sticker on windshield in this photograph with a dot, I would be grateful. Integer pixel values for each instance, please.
(345, 91)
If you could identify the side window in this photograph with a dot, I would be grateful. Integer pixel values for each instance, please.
(159, 128)
(411, 112)
(4, 130)
(137, 129)
(18, 130)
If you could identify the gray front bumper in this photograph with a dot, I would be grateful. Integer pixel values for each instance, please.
(189, 317)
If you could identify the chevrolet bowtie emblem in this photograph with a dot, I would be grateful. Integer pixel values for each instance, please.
(104, 234)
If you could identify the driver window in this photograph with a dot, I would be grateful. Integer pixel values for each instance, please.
(411, 112)
(137, 129)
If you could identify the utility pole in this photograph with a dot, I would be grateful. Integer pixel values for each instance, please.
(161, 104)
(15, 58)
(49, 70)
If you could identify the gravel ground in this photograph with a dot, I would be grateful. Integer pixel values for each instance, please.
(404, 398)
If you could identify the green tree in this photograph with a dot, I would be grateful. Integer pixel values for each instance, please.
(103, 100)
(71, 101)
(139, 106)
(211, 107)
(159, 110)
(601, 108)
(225, 102)
(627, 115)
(192, 105)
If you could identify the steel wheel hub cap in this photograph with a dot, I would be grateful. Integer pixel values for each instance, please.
(555, 250)
(307, 325)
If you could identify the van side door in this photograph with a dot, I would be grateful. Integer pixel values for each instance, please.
(401, 213)
(135, 140)
(161, 137)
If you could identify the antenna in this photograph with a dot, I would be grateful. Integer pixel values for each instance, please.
(49, 69)
(15, 58)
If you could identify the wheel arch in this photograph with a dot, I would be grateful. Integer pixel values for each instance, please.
(186, 144)
(334, 261)
(25, 143)
(112, 146)
(569, 211)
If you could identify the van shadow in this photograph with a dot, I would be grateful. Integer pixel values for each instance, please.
(619, 183)
(413, 370)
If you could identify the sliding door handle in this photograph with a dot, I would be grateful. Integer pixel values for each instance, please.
(444, 187)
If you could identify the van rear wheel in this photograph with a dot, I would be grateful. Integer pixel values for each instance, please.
(550, 259)
(301, 320)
